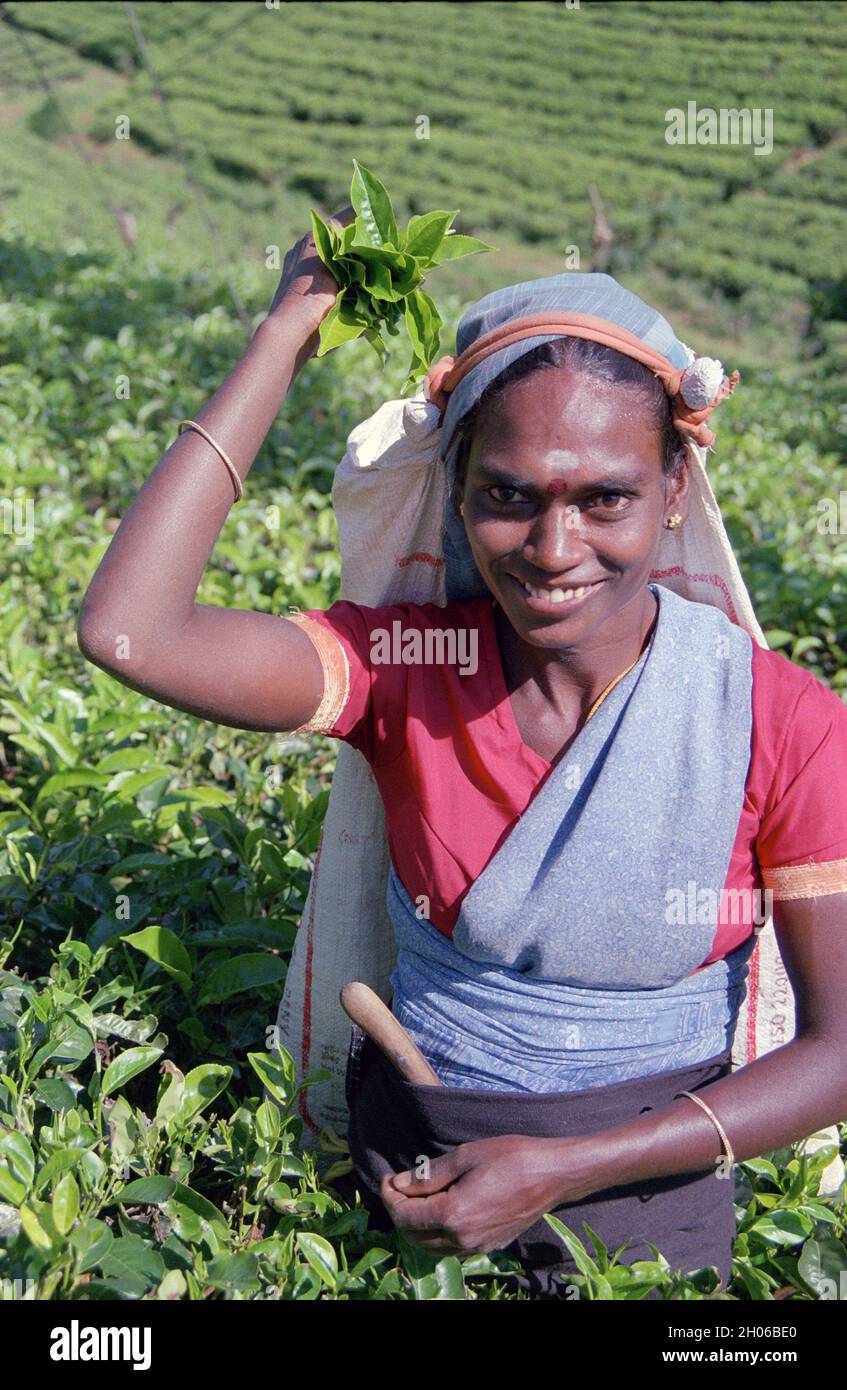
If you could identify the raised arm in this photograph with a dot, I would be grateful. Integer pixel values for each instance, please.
(139, 620)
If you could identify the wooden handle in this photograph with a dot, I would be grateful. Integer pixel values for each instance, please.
(366, 1009)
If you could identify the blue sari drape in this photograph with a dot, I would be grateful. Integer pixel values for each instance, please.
(570, 964)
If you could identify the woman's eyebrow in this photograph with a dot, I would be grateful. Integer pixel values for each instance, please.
(503, 478)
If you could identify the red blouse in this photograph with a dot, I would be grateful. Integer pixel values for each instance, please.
(455, 775)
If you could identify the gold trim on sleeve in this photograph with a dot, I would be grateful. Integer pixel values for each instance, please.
(336, 671)
(806, 880)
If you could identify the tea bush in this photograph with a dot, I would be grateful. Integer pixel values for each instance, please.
(510, 112)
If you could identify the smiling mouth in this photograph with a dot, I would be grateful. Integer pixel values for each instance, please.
(562, 597)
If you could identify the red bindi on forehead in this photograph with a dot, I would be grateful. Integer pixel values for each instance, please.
(556, 487)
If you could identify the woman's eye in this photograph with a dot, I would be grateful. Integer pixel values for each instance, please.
(617, 499)
(504, 494)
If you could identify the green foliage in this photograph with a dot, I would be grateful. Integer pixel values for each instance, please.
(512, 113)
(46, 120)
(154, 866)
(790, 1242)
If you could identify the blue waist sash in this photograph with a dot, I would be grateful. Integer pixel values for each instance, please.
(487, 1026)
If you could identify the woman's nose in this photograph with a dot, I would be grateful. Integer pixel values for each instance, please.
(555, 541)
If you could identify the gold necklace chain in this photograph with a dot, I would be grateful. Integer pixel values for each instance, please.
(610, 687)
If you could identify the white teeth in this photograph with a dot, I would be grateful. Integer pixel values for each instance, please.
(558, 595)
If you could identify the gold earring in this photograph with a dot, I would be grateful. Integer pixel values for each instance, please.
(461, 509)
(673, 521)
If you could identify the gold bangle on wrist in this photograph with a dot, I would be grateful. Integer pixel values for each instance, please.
(239, 490)
(713, 1117)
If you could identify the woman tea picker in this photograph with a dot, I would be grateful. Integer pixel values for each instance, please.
(552, 803)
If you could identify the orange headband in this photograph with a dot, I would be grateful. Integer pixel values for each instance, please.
(689, 418)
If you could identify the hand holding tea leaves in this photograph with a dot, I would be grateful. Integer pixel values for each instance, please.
(380, 270)
(306, 289)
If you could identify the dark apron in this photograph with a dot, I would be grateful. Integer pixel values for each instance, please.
(689, 1217)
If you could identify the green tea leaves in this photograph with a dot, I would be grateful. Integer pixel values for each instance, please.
(423, 324)
(425, 233)
(341, 325)
(455, 245)
(166, 949)
(65, 1203)
(326, 240)
(128, 1065)
(380, 271)
(246, 972)
(200, 1088)
(373, 205)
(131, 1265)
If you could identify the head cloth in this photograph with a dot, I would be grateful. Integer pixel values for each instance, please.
(511, 321)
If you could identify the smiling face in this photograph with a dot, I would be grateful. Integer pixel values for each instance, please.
(564, 504)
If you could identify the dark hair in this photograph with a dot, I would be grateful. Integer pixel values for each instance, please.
(597, 360)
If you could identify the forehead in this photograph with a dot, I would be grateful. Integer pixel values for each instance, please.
(562, 422)
(552, 403)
